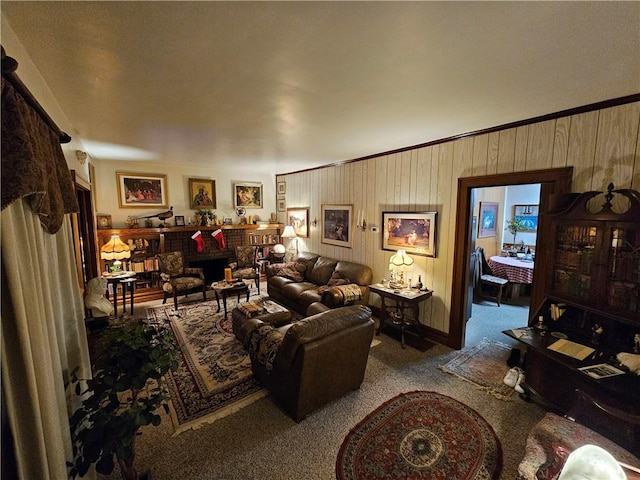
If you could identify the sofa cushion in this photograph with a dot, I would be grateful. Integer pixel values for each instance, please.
(308, 297)
(309, 259)
(292, 270)
(293, 290)
(357, 273)
(322, 270)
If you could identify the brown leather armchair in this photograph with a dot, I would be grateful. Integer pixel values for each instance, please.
(309, 363)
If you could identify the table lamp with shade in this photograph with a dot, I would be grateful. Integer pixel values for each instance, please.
(399, 263)
(115, 249)
(289, 232)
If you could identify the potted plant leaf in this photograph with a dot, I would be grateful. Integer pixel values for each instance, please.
(125, 393)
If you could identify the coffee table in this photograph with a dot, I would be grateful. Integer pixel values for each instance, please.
(224, 289)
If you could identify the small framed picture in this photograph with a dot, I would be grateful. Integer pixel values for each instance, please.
(298, 218)
(179, 220)
(247, 195)
(282, 205)
(336, 225)
(103, 222)
(202, 193)
(282, 188)
(488, 219)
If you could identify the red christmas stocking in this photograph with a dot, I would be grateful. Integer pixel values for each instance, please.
(219, 237)
(199, 241)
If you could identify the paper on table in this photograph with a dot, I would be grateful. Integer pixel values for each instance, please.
(571, 349)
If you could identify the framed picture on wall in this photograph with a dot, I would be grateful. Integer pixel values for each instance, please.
(487, 226)
(202, 193)
(414, 232)
(247, 195)
(298, 218)
(336, 225)
(529, 216)
(282, 205)
(282, 187)
(142, 190)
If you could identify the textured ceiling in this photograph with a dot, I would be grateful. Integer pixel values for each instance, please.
(291, 85)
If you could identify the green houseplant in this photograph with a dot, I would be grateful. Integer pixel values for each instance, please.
(125, 393)
(514, 226)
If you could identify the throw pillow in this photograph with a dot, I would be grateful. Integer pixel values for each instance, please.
(293, 271)
(338, 279)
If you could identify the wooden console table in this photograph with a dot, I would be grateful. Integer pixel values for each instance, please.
(402, 300)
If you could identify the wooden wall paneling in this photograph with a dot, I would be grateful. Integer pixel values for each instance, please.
(635, 182)
(359, 204)
(582, 145)
(520, 149)
(493, 150)
(615, 146)
(561, 142)
(540, 145)
(372, 239)
(506, 151)
(480, 155)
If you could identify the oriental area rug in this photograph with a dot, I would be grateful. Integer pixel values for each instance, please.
(420, 435)
(483, 365)
(213, 378)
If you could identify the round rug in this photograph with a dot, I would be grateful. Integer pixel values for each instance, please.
(420, 435)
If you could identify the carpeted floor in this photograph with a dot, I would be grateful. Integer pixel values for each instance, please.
(261, 442)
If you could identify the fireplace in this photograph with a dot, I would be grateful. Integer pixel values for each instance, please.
(213, 268)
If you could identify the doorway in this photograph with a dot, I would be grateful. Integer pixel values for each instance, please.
(552, 181)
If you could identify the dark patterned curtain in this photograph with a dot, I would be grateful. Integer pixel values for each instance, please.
(33, 164)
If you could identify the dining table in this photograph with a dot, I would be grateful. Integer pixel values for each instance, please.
(518, 271)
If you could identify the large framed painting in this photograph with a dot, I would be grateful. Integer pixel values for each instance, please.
(529, 216)
(142, 190)
(247, 195)
(202, 193)
(487, 226)
(336, 225)
(298, 218)
(414, 232)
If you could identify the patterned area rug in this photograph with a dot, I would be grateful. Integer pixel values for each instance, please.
(484, 365)
(420, 435)
(214, 377)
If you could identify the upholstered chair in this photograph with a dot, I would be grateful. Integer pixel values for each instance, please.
(179, 279)
(246, 266)
(313, 361)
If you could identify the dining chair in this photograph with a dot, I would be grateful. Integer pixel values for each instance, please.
(485, 277)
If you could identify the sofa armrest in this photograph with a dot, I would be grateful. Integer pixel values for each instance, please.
(334, 297)
(263, 343)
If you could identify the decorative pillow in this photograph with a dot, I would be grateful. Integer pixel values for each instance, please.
(338, 279)
(293, 271)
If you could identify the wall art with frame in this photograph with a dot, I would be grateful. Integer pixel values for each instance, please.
(336, 224)
(247, 194)
(529, 216)
(298, 218)
(414, 232)
(282, 204)
(142, 190)
(179, 220)
(488, 219)
(202, 193)
(282, 187)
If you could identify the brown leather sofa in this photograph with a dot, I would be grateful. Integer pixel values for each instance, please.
(309, 363)
(318, 272)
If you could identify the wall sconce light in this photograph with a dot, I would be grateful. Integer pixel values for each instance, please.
(314, 222)
(81, 156)
(361, 223)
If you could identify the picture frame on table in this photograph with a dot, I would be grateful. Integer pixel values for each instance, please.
(142, 190)
(413, 232)
(179, 220)
(282, 188)
(298, 218)
(529, 216)
(202, 193)
(247, 194)
(488, 219)
(336, 224)
(103, 222)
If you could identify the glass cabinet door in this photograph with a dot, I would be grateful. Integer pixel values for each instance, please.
(574, 255)
(623, 279)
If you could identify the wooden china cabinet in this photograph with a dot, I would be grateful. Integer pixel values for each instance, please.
(592, 299)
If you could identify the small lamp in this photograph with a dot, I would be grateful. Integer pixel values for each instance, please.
(115, 249)
(289, 232)
(398, 263)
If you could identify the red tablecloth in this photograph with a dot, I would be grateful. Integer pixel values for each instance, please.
(513, 269)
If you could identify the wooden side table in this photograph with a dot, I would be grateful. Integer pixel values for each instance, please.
(402, 300)
(224, 289)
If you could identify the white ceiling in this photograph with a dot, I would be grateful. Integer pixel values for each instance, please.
(283, 86)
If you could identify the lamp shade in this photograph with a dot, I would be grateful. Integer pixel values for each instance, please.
(400, 260)
(289, 232)
(115, 249)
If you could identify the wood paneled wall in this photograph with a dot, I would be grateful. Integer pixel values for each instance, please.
(603, 146)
